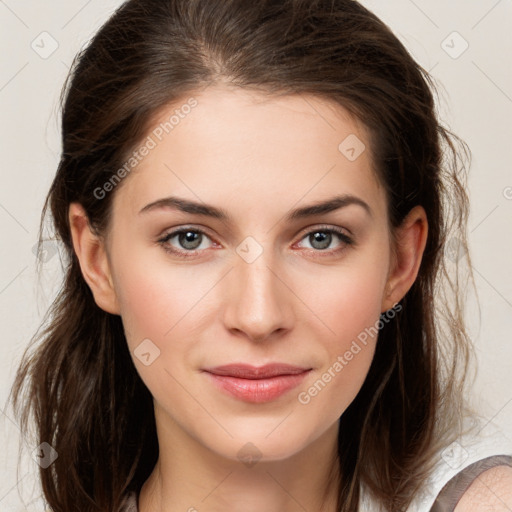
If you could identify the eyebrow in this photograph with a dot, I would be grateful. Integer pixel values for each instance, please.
(195, 208)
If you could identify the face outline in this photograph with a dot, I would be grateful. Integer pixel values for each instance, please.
(292, 303)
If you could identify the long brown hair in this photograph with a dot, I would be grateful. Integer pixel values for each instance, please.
(82, 388)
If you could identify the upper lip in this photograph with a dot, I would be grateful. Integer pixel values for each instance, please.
(247, 371)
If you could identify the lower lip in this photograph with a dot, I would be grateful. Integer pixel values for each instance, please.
(257, 390)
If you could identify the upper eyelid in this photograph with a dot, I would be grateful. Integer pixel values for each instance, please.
(325, 227)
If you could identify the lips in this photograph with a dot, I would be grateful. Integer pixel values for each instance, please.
(246, 371)
(256, 384)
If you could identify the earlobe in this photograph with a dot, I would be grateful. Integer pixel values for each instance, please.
(411, 238)
(92, 256)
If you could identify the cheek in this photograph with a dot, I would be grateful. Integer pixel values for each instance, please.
(346, 299)
(154, 305)
(167, 304)
(145, 305)
(153, 295)
(349, 305)
(349, 353)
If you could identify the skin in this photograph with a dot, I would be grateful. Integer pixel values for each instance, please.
(257, 158)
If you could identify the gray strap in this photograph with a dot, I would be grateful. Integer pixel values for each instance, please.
(452, 492)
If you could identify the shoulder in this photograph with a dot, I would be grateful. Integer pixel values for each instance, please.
(491, 490)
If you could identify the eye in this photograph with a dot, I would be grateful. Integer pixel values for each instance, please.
(187, 240)
(321, 238)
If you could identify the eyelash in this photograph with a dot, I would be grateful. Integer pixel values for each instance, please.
(344, 238)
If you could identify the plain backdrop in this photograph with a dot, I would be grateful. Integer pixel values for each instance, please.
(465, 45)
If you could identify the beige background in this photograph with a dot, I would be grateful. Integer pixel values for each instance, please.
(476, 103)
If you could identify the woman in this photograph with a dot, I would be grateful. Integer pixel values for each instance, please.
(256, 199)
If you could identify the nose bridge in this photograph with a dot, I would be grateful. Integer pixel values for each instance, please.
(258, 304)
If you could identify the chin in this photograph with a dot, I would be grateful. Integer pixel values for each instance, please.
(256, 444)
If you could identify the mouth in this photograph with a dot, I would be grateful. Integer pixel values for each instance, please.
(256, 384)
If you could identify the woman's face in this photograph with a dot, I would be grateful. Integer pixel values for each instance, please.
(271, 281)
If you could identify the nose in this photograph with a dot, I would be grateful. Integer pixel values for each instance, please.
(259, 304)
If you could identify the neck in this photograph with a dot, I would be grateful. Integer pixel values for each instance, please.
(190, 477)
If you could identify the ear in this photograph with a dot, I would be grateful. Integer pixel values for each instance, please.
(92, 256)
(411, 238)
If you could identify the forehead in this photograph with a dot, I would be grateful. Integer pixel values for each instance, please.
(268, 149)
